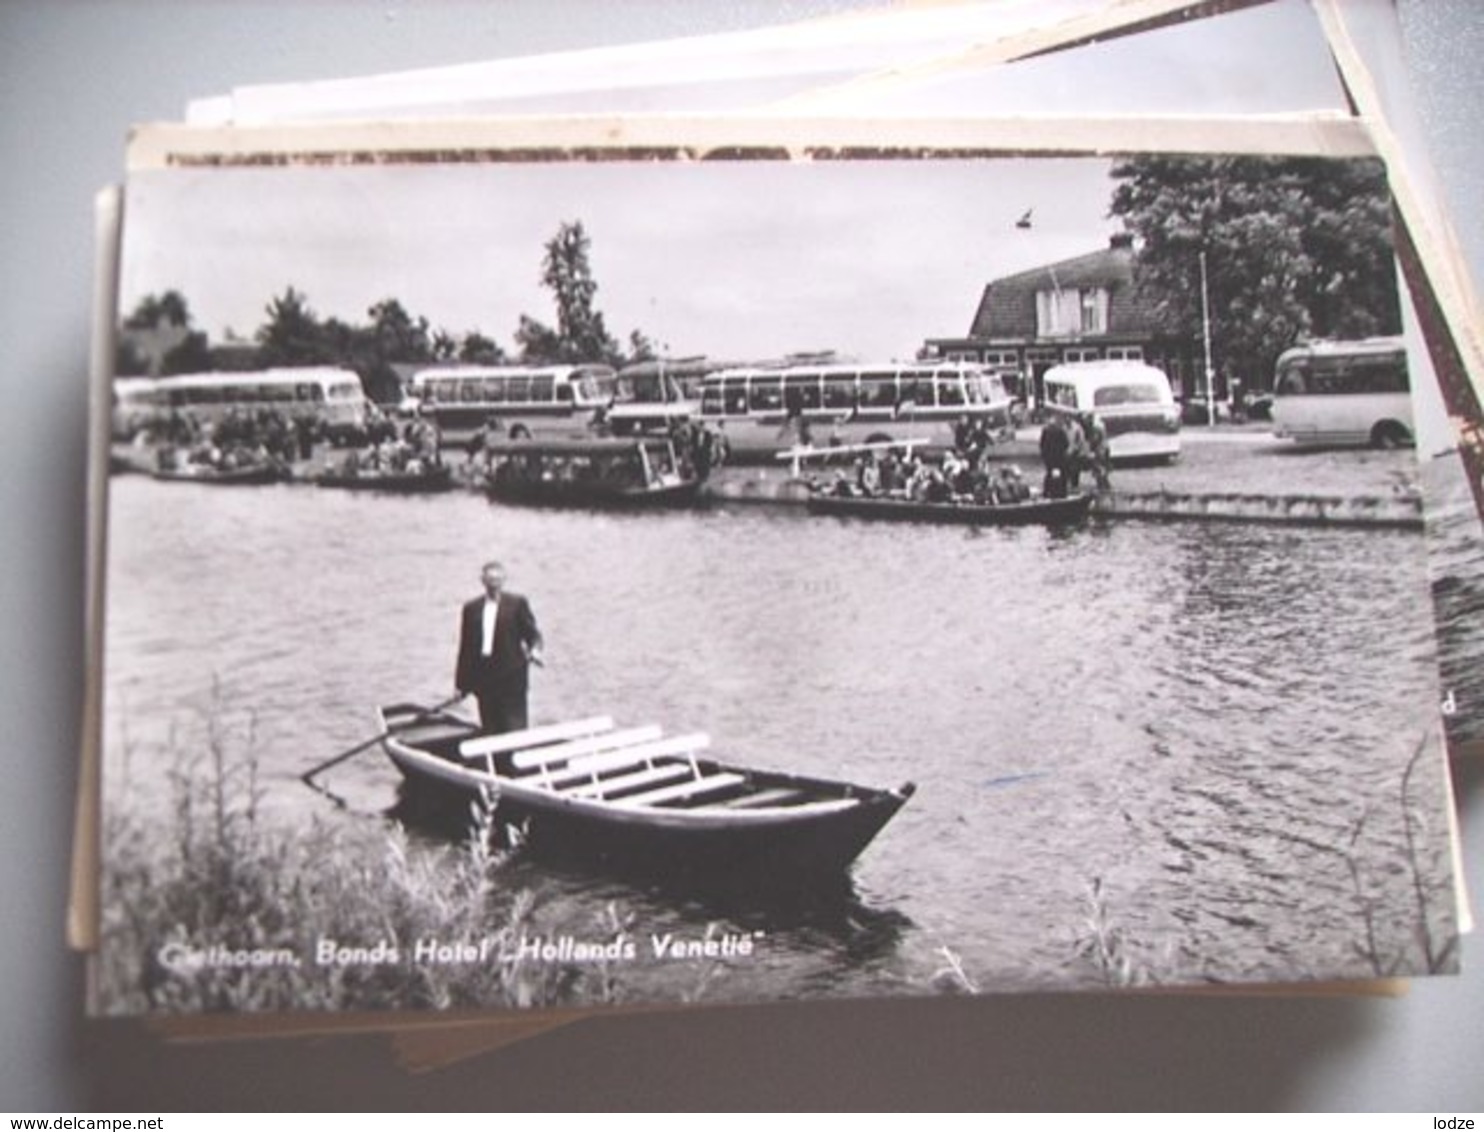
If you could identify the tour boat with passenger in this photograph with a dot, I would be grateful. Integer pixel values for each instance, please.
(602, 472)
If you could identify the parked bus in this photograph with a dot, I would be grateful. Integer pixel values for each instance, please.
(527, 401)
(135, 406)
(1344, 393)
(332, 397)
(649, 396)
(1132, 399)
(765, 410)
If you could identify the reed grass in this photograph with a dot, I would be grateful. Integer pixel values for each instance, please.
(214, 873)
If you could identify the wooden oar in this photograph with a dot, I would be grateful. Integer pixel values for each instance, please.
(308, 776)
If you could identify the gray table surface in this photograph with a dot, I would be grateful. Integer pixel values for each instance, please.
(73, 77)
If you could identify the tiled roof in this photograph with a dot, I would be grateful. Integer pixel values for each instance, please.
(1008, 306)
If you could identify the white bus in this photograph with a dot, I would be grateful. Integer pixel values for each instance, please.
(333, 397)
(1334, 393)
(135, 406)
(1132, 399)
(766, 410)
(527, 401)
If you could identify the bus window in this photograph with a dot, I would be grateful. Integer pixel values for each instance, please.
(1290, 382)
(564, 392)
(518, 388)
(801, 392)
(839, 391)
(541, 387)
(1378, 376)
(950, 388)
(735, 395)
(878, 391)
(1132, 393)
(470, 391)
(711, 401)
(765, 395)
(1060, 394)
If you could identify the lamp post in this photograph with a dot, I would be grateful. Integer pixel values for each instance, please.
(1206, 340)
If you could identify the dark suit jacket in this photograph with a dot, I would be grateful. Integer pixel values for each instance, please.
(504, 671)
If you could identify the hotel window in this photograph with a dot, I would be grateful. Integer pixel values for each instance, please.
(1071, 312)
(1095, 312)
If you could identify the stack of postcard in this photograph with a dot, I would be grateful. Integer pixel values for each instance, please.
(874, 507)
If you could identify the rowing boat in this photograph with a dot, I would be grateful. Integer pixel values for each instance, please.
(206, 473)
(632, 801)
(1049, 512)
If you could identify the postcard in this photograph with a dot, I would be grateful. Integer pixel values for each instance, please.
(538, 582)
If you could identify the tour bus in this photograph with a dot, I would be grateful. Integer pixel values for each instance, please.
(766, 410)
(527, 401)
(1334, 393)
(649, 396)
(333, 397)
(1132, 399)
(135, 406)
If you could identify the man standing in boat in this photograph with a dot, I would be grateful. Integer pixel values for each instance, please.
(498, 641)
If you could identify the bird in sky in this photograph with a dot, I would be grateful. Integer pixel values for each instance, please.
(1025, 220)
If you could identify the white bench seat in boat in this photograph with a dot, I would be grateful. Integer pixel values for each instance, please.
(708, 784)
(549, 760)
(647, 776)
(636, 756)
(485, 745)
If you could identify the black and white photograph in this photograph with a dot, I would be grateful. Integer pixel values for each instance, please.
(539, 583)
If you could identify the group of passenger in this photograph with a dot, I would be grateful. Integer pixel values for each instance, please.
(958, 478)
(1071, 444)
(415, 448)
(698, 449)
(241, 439)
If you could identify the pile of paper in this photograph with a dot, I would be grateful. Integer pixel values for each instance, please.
(1186, 754)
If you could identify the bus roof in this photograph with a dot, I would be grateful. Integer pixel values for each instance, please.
(472, 371)
(852, 369)
(1103, 369)
(283, 375)
(1341, 348)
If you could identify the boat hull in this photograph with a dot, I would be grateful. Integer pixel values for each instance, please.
(594, 495)
(391, 483)
(1044, 512)
(227, 477)
(774, 850)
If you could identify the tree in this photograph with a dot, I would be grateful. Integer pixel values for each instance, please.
(399, 336)
(580, 335)
(476, 349)
(192, 354)
(154, 311)
(539, 343)
(1295, 248)
(292, 336)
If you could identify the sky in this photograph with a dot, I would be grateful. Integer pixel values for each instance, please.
(737, 259)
